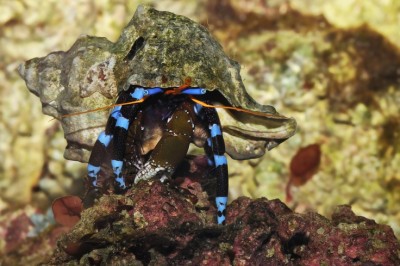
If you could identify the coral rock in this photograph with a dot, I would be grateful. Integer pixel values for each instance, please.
(158, 224)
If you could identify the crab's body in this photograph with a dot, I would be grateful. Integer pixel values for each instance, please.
(158, 51)
(177, 121)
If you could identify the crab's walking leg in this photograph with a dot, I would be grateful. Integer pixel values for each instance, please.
(100, 147)
(120, 133)
(198, 109)
(221, 166)
(116, 128)
(172, 147)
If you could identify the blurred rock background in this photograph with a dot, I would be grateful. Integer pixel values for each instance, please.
(333, 65)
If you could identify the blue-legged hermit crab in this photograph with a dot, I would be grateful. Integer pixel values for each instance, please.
(171, 80)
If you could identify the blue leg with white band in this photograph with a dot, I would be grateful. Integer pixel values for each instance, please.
(120, 133)
(220, 162)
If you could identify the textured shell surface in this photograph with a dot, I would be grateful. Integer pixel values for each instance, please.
(156, 49)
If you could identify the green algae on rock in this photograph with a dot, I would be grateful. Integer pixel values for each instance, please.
(156, 49)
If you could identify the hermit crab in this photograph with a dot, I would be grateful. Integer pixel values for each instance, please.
(171, 80)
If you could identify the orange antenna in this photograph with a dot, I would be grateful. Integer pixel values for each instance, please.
(103, 108)
(237, 109)
(177, 90)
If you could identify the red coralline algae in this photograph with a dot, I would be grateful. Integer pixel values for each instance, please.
(159, 224)
(303, 166)
(67, 210)
(16, 232)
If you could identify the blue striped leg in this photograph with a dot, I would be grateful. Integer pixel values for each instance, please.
(114, 122)
(220, 162)
(198, 110)
(101, 145)
(120, 133)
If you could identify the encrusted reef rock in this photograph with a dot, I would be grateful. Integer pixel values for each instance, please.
(156, 49)
(159, 224)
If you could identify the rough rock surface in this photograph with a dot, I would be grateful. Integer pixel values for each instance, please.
(159, 224)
